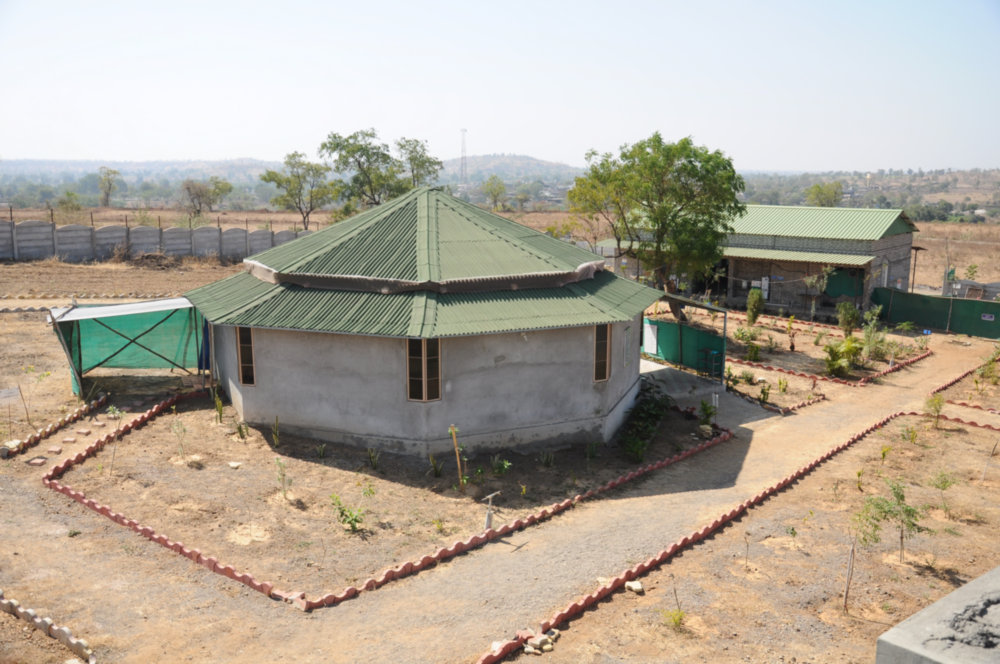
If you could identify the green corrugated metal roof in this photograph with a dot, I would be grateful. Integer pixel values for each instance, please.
(244, 300)
(425, 236)
(822, 222)
(796, 256)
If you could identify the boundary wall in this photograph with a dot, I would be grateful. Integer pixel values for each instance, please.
(74, 243)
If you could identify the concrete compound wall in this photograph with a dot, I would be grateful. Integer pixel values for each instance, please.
(502, 391)
(35, 240)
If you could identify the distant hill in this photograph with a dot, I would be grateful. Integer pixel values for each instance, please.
(510, 168)
(53, 170)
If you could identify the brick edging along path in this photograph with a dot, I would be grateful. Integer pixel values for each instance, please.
(861, 382)
(50, 480)
(504, 648)
(42, 434)
(46, 626)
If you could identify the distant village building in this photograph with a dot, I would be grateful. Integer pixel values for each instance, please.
(386, 329)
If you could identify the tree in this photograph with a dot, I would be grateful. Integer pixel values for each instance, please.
(495, 191)
(687, 195)
(375, 175)
(422, 167)
(106, 182)
(826, 194)
(205, 195)
(877, 509)
(303, 185)
(601, 197)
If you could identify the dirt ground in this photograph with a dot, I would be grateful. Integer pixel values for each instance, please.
(766, 589)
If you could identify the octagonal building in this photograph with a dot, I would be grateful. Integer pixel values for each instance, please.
(383, 330)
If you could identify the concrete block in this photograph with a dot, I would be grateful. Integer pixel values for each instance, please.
(962, 627)
(37, 461)
(54, 449)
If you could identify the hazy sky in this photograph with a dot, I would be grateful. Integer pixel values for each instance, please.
(796, 85)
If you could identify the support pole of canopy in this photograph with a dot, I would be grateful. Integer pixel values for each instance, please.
(69, 356)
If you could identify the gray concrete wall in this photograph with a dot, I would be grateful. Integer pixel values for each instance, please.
(33, 240)
(895, 253)
(502, 391)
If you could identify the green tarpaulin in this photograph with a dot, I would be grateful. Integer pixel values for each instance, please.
(159, 334)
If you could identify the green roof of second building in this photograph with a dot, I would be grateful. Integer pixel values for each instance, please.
(822, 222)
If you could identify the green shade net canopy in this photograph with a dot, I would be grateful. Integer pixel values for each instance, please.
(158, 334)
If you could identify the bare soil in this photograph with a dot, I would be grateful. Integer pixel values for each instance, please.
(766, 589)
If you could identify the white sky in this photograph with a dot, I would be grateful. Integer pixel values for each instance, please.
(797, 85)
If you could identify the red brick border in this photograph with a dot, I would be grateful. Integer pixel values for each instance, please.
(46, 626)
(298, 598)
(63, 422)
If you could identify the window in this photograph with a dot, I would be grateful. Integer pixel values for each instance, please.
(602, 352)
(423, 369)
(244, 348)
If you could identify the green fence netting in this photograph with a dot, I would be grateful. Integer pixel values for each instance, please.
(132, 337)
(975, 317)
(687, 346)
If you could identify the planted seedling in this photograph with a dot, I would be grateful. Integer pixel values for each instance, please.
(116, 415)
(374, 457)
(500, 465)
(934, 406)
(436, 466)
(351, 518)
(942, 482)
(283, 480)
(179, 430)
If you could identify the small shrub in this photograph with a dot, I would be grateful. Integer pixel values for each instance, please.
(906, 327)
(753, 353)
(547, 459)
(782, 385)
(755, 305)
(772, 345)
(351, 518)
(746, 335)
(673, 618)
(436, 466)
(217, 400)
(591, 450)
(942, 482)
(321, 450)
(934, 406)
(374, 458)
(819, 338)
(747, 377)
(706, 412)
(499, 465)
(765, 392)
(848, 317)
(275, 434)
(730, 378)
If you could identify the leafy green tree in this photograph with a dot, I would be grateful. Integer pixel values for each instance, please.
(687, 195)
(303, 186)
(495, 191)
(422, 167)
(107, 181)
(375, 175)
(204, 195)
(825, 194)
(601, 198)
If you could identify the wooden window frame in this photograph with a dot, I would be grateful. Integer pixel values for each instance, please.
(602, 352)
(241, 359)
(423, 382)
